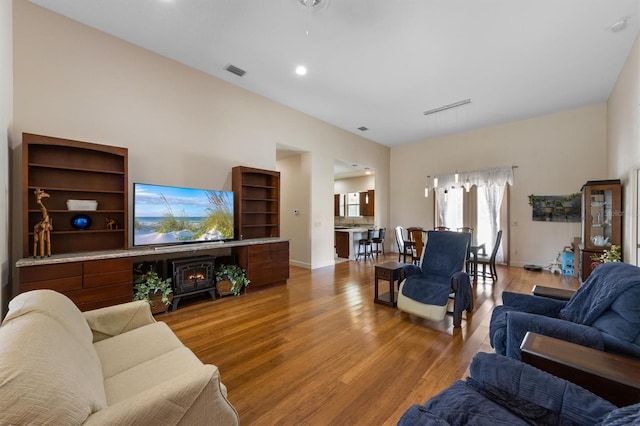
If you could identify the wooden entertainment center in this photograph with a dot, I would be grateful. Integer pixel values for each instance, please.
(94, 266)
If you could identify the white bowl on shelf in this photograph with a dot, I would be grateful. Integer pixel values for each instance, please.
(77, 205)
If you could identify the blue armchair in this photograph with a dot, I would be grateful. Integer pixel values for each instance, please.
(425, 291)
(503, 391)
(603, 314)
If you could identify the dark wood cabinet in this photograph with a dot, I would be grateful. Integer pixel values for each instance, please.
(338, 205)
(90, 284)
(342, 244)
(601, 221)
(74, 170)
(265, 264)
(256, 202)
(367, 201)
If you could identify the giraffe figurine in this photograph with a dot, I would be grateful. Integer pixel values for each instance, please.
(42, 229)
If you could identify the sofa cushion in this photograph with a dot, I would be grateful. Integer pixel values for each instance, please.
(462, 405)
(46, 375)
(127, 350)
(150, 373)
(507, 381)
(56, 306)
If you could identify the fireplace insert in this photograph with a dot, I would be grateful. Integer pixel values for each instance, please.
(192, 275)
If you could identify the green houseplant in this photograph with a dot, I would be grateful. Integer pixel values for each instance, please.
(232, 273)
(148, 286)
(614, 254)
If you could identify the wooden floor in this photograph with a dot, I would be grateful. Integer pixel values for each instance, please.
(318, 351)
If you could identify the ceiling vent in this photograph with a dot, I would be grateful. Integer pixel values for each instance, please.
(363, 129)
(235, 70)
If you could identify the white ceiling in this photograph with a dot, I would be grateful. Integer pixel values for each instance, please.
(382, 63)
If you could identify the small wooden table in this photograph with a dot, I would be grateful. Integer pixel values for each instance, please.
(392, 272)
(552, 292)
(613, 377)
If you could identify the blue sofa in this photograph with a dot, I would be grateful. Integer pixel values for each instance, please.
(503, 391)
(603, 314)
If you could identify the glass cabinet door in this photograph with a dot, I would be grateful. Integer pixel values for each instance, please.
(601, 215)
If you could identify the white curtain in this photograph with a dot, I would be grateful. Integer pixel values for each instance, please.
(490, 184)
(497, 176)
(489, 205)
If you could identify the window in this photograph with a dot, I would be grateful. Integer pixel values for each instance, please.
(484, 207)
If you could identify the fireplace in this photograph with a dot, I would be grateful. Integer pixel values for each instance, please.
(192, 275)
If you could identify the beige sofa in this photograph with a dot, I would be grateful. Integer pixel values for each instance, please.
(110, 366)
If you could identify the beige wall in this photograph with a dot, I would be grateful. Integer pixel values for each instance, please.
(181, 126)
(623, 140)
(6, 113)
(555, 154)
(295, 184)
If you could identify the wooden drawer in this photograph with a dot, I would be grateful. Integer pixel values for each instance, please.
(268, 251)
(88, 295)
(61, 285)
(101, 303)
(108, 278)
(268, 272)
(30, 274)
(107, 265)
(384, 274)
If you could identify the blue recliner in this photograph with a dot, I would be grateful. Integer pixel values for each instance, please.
(426, 290)
(503, 391)
(603, 314)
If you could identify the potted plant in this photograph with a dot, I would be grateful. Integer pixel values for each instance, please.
(230, 279)
(148, 286)
(612, 255)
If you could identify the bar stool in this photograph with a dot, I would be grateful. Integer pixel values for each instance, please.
(382, 232)
(365, 244)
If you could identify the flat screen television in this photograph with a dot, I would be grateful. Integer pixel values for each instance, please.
(164, 215)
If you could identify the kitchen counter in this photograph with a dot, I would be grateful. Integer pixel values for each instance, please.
(351, 230)
(354, 234)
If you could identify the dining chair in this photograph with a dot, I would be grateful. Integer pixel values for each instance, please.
(364, 245)
(469, 265)
(490, 260)
(441, 228)
(416, 235)
(379, 240)
(400, 240)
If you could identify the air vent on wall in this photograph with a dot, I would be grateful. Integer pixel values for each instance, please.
(363, 129)
(235, 70)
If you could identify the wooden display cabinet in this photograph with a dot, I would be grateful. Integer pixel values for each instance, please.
(67, 169)
(256, 202)
(601, 220)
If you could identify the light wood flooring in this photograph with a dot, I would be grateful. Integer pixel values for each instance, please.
(318, 351)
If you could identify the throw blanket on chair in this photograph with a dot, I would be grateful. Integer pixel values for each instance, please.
(424, 290)
(605, 284)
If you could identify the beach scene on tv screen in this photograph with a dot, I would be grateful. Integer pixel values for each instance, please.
(167, 215)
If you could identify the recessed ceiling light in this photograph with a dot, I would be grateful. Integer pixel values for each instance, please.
(301, 70)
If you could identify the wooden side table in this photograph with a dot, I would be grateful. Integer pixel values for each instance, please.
(552, 292)
(392, 272)
(613, 377)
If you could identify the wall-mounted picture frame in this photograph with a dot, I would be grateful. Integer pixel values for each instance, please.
(556, 208)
